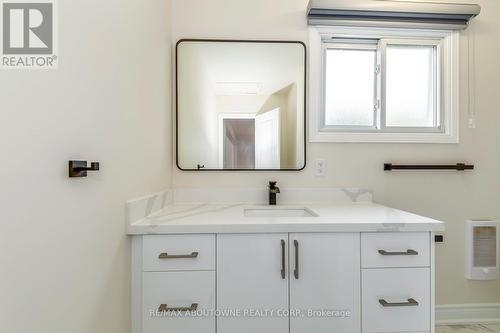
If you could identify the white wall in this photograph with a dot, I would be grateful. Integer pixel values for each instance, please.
(64, 255)
(201, 140)
(63, 251)
(449, 196)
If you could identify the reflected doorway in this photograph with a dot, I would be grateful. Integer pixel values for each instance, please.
(238, 143)
(250, 141)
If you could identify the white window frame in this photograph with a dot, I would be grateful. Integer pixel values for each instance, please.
(447, 46)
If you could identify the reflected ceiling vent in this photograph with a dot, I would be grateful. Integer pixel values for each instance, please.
(482, 250)
(238, 88)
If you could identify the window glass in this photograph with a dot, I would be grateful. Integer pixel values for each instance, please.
(410, 86)
(350, 87)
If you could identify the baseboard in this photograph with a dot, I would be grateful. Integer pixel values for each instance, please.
(456, 314)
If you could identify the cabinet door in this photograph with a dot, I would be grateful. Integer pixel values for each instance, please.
(252, 275)
(325, 283)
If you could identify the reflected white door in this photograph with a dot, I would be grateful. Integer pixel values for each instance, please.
(267, 140)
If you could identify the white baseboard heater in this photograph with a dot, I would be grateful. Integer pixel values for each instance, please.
(482, 249)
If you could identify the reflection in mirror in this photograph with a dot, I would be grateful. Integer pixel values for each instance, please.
(240, 105)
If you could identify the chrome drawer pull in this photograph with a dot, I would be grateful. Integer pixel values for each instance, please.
(165, 308)
(165, 255)
(411, 302)
(407, 253)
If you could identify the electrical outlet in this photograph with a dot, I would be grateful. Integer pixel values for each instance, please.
(320, 167)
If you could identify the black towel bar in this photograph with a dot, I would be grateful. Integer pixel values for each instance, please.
(457, 167)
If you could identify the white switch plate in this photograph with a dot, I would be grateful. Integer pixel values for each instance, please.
(320, 167)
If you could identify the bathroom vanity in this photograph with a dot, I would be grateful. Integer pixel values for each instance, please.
(338, 263)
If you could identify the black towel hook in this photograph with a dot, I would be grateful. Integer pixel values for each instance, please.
(80, 168)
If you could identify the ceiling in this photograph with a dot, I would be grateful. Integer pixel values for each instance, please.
(239, 68)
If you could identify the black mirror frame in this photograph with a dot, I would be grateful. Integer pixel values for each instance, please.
(238, 41)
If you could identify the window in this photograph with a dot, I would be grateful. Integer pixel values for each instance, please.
(385, 85)
(350, 84)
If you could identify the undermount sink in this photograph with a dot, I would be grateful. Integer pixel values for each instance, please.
(279, 212)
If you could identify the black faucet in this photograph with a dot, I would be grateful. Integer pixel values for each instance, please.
(273, 190)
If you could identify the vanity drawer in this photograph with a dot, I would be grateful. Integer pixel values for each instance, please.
(168, 295)
(178, 252)
(408, 249)
(396, 300)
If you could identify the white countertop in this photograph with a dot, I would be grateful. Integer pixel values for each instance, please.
(230, 218)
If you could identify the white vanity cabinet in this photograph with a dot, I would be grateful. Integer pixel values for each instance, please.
(325, 275)
(173, 276)
(352, 282)
(252, 274)
(397, 282)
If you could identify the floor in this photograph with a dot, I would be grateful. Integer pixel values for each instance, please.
(479, 328)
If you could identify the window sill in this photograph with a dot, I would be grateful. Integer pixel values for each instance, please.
(350, 137)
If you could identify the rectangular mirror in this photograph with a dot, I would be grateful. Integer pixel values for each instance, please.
(240, 105)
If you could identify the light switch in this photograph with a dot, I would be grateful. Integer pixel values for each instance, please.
(320, 167)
